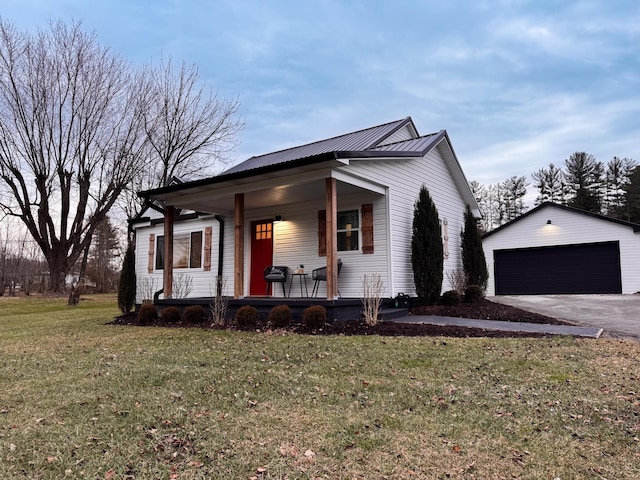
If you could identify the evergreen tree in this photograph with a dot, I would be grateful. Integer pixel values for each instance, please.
(513, 190)
(127, 284)
(617, 177)
(473, 260)
(426, 249)
(632, 197)
(101, 267)
(582, 174)
(550, 184)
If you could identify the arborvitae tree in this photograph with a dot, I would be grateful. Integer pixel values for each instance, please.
(473, 261)
(127, 284)
(426, 249)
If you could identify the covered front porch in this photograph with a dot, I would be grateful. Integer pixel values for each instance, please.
(300, 213)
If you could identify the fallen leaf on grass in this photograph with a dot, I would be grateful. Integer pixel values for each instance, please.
(52, 459)
(109, 474)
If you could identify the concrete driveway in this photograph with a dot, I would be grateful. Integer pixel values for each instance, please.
(618, 315)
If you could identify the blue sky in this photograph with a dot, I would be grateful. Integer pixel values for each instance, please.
(517, 84)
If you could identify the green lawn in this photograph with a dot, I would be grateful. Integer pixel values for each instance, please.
(82, 399)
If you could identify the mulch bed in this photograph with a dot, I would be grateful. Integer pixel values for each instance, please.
(485, 310)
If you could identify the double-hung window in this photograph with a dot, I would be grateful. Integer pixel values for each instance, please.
(348, 228)
(187, 251)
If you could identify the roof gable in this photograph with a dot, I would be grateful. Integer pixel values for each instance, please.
(577, 211)
(393, 140)
(360, 140)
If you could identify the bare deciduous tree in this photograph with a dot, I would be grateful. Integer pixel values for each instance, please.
(72, 136)
(190, 129)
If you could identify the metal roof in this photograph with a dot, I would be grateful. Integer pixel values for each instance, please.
(355, 141)
(419, 144)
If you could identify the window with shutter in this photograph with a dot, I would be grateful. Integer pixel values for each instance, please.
(187, 251)
(152, 243)
(367, 228)
(207, 248)
(322, 233)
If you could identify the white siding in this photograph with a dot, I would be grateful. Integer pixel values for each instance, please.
(296, 243)
(404, 179)
(202, 282)
(296, 238)
(567, 228)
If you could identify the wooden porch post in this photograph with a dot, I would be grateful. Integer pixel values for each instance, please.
(167, 278)
(332, 248)
(238, 265)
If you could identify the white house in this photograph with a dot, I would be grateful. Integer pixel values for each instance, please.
(558, 249)
(347, 199)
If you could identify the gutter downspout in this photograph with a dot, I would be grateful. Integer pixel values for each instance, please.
(220, 255)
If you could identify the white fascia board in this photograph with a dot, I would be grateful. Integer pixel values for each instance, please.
(225, 190)
(359, 182)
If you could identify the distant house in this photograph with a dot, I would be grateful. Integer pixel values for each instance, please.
(558, 249)
(348, 198)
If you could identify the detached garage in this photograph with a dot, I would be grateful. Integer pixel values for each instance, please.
(554, 249)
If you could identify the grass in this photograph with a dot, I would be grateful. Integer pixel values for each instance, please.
(83, 399)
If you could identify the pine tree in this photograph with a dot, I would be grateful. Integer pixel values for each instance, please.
(127, 284)
(473, 260)
(632, 197)
(582, 174)
(426, 249)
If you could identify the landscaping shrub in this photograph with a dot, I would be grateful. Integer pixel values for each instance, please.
(170, 315)
(451, 298)
(247, 316)
(127, 283)
(473, 259)
(473, 293)
(194, 314)
(147, 314)
(314, 316)
(426, 250)
(280, 316)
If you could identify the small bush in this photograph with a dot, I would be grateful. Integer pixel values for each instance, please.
(194, 314)
(451, 298)
(280, 316)
(473, 294)
(314, 316)
(147, 314)
(247, 316)
(170, 315)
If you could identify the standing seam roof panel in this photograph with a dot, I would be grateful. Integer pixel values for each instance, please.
(355, 141)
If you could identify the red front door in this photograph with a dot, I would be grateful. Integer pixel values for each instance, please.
(261, 255)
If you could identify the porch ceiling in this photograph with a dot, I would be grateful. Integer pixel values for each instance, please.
(295, 189)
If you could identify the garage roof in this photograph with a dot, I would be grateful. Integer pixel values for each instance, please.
(634, 226)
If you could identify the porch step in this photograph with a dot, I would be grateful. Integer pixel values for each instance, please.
(391, 313)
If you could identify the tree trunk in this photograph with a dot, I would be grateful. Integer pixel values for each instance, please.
(58, 268)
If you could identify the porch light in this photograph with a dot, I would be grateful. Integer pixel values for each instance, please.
(277, 218)
(549, 222)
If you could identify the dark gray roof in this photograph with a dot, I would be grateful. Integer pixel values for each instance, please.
(419, 144)
(361, 144)
(360, 140)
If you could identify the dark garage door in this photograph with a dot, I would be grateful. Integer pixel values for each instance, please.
(583, 268)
